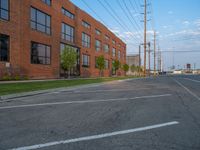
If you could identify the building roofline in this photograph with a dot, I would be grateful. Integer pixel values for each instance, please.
(98, 22)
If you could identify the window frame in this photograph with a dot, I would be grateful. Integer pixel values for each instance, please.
(8, 48)
(72, 30)
(45, 1)
(119, 55)
(114, 52)
(107, 66)
(86, 40)
(7, 10)
(86, 24)
(106, 50)
(97, 32)
(36, 21)
(67, 13)
(87, 65)
(107, 37)
(46, 64)
(97, 47)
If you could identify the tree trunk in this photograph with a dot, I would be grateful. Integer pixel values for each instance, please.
(100, 73)
(69, 74)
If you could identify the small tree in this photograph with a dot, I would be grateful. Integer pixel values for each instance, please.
(116, 65)
(133, 68)
(139, 69)
(68, 59)
(100, 62)
(125, 67)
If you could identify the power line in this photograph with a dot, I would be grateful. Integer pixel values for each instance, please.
(129, 14)
(93, 12)
(184, 51)
(115, 16)
(101, 18)
(131, 4)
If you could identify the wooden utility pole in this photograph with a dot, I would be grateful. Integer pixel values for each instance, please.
(154, 53)
(149, 54)
(160, 61)
(139, 59)
(145, 34)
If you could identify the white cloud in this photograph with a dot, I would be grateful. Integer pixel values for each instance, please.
(185, 33)
(197, 22)
(186, 22)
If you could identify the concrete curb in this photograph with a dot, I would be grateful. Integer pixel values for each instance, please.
(11, 97)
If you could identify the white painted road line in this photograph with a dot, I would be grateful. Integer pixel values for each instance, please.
(189, 91)
(192, 80)
(93, 137)
(87, 101)
(99, 91)
(114, 90)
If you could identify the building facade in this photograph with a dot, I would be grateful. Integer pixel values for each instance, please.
(132, 60)
(33, 34)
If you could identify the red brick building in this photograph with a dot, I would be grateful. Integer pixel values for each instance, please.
(34, 32)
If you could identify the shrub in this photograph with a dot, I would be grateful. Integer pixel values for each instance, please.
(6, 78)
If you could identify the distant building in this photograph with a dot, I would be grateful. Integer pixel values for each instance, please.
(132, 60)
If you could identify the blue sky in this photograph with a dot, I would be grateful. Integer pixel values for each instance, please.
(177, 23)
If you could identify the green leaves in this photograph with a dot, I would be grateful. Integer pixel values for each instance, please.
(116, 65)
(125, 67)
(68, 58)
(100, 62)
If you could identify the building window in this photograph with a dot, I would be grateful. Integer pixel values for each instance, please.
(40, 21)
(97, 45)
(67, 33)
(85, 24)
(68, 13)
(4, 9)
(113, 52)
(85, 40)
(40, 54)
(86, 60)
(4, 47)
(63, 46)
(48, 2)
(119, 55)
(113, 41)
(122, 56)
(107, 37)
(97, 32)
(106, 64)
(106, 48)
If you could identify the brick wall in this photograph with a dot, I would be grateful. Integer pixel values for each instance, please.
(21, 35)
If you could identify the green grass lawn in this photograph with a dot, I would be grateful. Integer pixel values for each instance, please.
(11, 88)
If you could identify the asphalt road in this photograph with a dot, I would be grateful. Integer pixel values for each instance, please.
(146, 114)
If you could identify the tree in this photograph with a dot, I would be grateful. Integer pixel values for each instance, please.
(136, 69)
(100, 62)
(125, 67)
(68, 59)
(133, 68)
(139, 69)
(116, 65)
